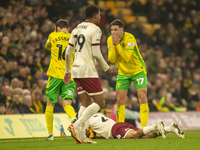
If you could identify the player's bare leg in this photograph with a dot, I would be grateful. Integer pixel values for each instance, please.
(120, 108)
(146, 131)
(140, 134)
(153, 134)
(85, 102)
(144, 108)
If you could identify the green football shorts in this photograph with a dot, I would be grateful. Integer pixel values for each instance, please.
(56, 87)
(139, 80)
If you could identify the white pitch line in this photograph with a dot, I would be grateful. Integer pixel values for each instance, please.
(2, 140)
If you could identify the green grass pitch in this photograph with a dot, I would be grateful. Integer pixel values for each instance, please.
(172, 142)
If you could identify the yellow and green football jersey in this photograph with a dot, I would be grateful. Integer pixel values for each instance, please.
(126, 55)
(57, 43)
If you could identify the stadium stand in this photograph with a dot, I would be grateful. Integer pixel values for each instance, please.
(167, 31)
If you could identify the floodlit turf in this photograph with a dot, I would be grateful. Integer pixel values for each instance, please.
(172, 142)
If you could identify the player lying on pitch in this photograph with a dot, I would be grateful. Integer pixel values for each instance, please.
(108, 128)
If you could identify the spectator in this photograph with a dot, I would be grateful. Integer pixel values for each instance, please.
(14, 104)
(177, 35)
(5, 96)
(22, 74)
(36, 99)
(137, 8)
(36, 75)
(6, 81)
(26, 92)
(153, 60)
(18, 91)
(154, 15)
(2, 109)
(11, 69)
(14, 83)
(25, 107)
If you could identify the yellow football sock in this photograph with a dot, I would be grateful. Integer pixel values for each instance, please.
(144, 112)
(120, 113)
(70, 111)
(49, 118)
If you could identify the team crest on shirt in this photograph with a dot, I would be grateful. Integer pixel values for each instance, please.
(130, 44)
(99, 34)
(118, 84)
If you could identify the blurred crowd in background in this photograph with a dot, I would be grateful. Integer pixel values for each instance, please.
(171, 52)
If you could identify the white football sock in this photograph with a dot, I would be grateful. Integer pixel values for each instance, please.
(148, 129)
(89, 111)
(81, 110)
(168, 129)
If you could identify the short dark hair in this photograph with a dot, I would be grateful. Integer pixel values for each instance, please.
(90, 11)
(118, 23)
(62, 23)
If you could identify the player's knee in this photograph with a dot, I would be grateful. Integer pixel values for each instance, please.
(49, 103)
(120, 101)
(143, 99)
(100, 103)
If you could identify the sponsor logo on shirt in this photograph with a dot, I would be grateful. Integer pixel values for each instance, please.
(130, 44)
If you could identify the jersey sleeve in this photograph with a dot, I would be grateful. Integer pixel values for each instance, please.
(72, 60)
(128, 50)
(96, 37)
(68, 58)
(112, 55)
(72, 40)
(48, 43)
(98, 56)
